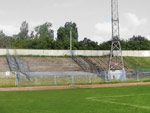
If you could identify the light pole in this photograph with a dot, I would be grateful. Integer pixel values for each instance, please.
(70, 40)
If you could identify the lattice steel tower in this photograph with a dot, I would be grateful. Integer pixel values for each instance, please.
(116, 60)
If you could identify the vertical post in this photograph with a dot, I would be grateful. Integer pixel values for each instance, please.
(106, 77)
(70, 40)
(55, 80)
(123, 75)
(137, 75)
(72, 80)
(16, 79)
(36, 80)
(90, 81)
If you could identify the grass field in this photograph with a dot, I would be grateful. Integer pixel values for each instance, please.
(137, 62)
(133, 99)
(7, 81)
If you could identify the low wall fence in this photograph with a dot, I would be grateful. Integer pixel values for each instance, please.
(75, 52)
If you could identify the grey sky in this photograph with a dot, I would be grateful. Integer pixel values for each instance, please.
(92, 16)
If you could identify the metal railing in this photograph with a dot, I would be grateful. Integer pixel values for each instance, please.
(11, 62)
(22, 66)
(81, 63)
(87, 65)
(17, 66)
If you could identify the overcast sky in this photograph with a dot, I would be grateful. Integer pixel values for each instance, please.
(91, 16)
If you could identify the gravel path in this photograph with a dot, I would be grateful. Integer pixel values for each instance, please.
(72, 86)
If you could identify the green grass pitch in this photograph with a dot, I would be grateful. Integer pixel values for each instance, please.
(133, 99)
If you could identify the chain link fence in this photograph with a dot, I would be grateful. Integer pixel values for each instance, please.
(138, 75)
(73, 78)
(7, 79)
(60, 78)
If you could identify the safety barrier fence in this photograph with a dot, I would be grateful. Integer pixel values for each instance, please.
(39, 78)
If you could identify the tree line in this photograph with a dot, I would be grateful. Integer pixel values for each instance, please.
(43, 38)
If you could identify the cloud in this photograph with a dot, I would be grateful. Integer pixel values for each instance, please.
(62, 5)
(9, 29)
(131, 25)
(103, 28)
(103, 31)
(132, 19)
(148, 36)
(2, 13)
(134, 24)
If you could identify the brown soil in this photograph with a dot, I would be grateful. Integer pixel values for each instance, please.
(72, 86)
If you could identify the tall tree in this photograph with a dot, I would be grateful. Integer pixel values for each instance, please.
(32, 34)
(24, 30)
(3, 40)
(44, 30)
(2, 34)
(63, 33)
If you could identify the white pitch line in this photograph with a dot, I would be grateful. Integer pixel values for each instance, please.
(118, 103)
(120, 96)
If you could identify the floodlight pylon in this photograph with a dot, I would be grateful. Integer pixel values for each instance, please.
(116, 60)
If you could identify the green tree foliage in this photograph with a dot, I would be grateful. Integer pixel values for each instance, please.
(3, 40)
(44, 39)
(63, 33)
(58, 44)
(138, 43)
(134, 43)
(32, 34)
(44, 30)
(88, 44)
(105, 45)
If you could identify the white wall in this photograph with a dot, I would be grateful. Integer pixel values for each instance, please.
(76, 52)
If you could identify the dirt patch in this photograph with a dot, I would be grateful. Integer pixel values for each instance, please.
(72, 86)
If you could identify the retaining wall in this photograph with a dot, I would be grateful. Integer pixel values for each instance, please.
(75, 52)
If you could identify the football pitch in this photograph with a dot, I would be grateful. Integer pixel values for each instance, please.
(132, 99)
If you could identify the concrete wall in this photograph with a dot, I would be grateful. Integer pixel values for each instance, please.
(76, 52)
